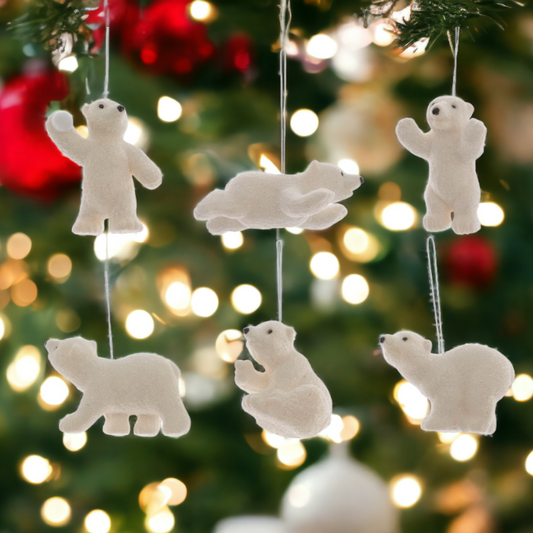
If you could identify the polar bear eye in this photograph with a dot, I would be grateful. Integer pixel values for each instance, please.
(101, 106)
(454, 106)
(269, 332)
(342, 173)
(404, 339)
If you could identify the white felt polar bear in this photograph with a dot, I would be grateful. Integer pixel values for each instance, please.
(288, 398)
(257, 200)
(463, 385)
(108, 162)
(142, 384)
(451, 148)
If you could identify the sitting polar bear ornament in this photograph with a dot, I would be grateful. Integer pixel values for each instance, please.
(108, 162)
(142, 384)
(462, 385)
(257, 200)
(451, 148)
(287, 399)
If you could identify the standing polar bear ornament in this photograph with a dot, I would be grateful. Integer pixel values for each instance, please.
(287, 399)
(463, 385)
(257, 200)
(143, 384)
(108, 162)
(451, 148)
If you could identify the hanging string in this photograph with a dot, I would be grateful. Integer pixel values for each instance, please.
(285, 21)
(108, 294)
(434, 288)
(106, 78)
(455, 52)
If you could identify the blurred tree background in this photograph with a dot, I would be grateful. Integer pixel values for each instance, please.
(200, 83)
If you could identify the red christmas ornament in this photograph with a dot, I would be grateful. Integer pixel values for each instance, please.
(164, 39)
(238, 53)
(471, 261)
(30, 163)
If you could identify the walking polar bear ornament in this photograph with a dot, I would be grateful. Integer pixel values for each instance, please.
(451, 148)
(257, 200)
(109, 162)
(142, 384)
(462, 385)
(287, 399)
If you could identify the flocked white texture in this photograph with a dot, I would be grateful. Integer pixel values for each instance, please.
(463, 385)
(109, 162)
(339, 495)
(142, 384)
(288, 398)
(451, 148)
(257, 200)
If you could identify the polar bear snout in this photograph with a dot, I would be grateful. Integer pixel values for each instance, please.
(435, 111)
(382, 339)
(120, 108)
(246, 330)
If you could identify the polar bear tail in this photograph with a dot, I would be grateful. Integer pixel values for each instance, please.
(213, 205)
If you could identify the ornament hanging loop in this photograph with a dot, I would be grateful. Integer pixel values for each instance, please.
(434, 289)
(106, 18)
(455, 52)
(108, 294)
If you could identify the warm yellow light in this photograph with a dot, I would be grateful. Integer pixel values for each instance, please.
(229, 345)
(413, 403)
(135, 134)
(351, 427)
(24, 293)
(304, 122)
(161, 522)
(324, 265)
(355, 289)
(268, 166)
(68, 64)
(447, 438)
(398, 216)
(490, 214)
(18, 246)
(178, 296)
(295, 231)
(246, 299)
(177, 489)
(522, 388)
(299, 495)
(119, 246)
(36, 469)
(200, 10)
(321, 46)
(275, 441)
(333, 431)
(139, 324)
(168, 109)
(349, 166)
(54, 391)
(59, 267)
(416, 49)
(463, 448)
(25, 368)
(2, 328)
(292, 455)
(356, 240)
(55, 511)
(383, 34)
(154, 497)
(74, 441)
(97, 521)
(67, 320)
(83, 131)
(204, 302)
(406, 490)
(529, 464)
(232, 240)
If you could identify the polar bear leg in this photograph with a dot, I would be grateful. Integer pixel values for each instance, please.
(326, 218)
(481, 417)
(439, 214)
(82, 419)
(117, 424)
(90, 220)
(124, 218)
(465, 219)
(176, 420)
(219, 225)
(147, 425)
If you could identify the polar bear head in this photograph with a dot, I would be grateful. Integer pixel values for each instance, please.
(449, 113)
(106, 118)
(269, 342)
(327, 176)
(73, 358)
(404, 346)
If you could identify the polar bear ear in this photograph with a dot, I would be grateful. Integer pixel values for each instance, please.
(291, 334)
(428, 345)
(84, 109)
(94, 346)
(469, 109)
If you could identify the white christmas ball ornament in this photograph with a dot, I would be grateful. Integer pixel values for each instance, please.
(251, 524)
(62, 121)
(339, 495)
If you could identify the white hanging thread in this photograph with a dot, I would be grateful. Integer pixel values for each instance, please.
(434, 288)
(106, 78)
(285, 21)
(108, 294)
(455, 52)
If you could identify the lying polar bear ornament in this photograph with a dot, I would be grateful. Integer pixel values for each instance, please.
(257, 200)
(142, 384)
(451, 148)
(463, 385)
(108, 161)
(287, 399)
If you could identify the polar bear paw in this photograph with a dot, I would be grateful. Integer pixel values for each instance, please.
(62, 121)
(435, 223)
(465, 225)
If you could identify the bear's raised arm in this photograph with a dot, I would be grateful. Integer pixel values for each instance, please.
(474, 139)
(60, 128)
(143, 168)
(413, 138)
(295, 204)
(248, 379)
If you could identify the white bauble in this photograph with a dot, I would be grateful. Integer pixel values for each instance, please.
(339, 495)
(250, 524)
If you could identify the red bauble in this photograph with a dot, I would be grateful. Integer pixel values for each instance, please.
(471, 261)
(30, 162)
(238, 53)
(164, 39)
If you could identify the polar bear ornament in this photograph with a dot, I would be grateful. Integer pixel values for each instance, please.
(451, 148)
(143, 384)
(287, 399)
(463, 385)
(258, 200)
(108, 162)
